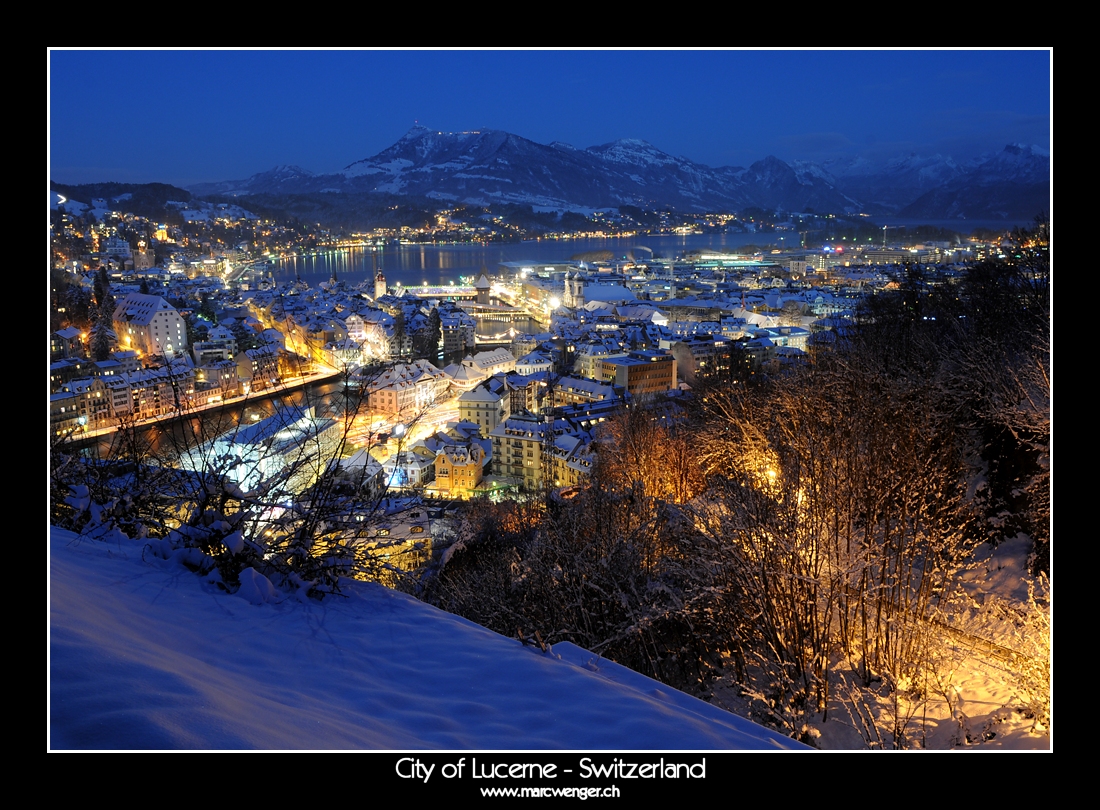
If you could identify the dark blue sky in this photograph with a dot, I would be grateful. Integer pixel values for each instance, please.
(192, 116)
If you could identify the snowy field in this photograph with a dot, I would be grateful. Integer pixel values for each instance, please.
(146, 655)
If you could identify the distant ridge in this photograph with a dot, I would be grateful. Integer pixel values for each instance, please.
(492, 166)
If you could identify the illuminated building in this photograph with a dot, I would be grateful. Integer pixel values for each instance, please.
(150, 325)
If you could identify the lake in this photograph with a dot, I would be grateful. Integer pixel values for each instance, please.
(413, 265)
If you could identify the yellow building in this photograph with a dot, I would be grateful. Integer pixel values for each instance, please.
(458, 470)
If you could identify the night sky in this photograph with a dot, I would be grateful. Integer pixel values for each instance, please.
(184, 117)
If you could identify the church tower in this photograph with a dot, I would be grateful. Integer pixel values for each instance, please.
(379, 284)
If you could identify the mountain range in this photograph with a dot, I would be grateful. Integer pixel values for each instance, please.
(492, 166)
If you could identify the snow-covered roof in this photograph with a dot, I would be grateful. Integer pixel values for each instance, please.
(140, 309)
(479, 394)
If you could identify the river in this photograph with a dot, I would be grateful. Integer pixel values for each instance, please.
(166, 439)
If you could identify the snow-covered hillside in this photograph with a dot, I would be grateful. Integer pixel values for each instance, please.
(144, 654)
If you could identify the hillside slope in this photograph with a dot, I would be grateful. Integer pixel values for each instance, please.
(144, 654)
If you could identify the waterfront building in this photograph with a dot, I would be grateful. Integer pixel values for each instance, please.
(258, 369)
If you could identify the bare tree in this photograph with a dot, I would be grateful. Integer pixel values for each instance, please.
(273, 496)
(839, 493)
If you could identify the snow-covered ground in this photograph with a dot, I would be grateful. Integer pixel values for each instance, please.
(144, 654)
(977, 696)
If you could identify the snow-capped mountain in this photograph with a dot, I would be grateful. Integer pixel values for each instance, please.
(488, 166)
(280, 180)
(775, 184)
(887, 186)
(492, 166)
(1013, 184)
